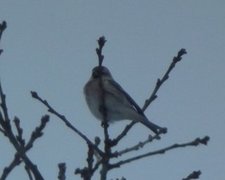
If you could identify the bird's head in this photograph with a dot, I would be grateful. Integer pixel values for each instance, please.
(101, 71)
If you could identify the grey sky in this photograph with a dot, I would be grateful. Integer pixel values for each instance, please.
(49, 46)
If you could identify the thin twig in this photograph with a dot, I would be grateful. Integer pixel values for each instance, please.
(137, 146)
(3, 27)
(15, 162)
(19, 137)
(153, 95)
(101, 43)
(4, 107)
(34, 136)
(193, 175)
(6, 125)
(104, 111)
(195, 142)
(62, 171)
(38, 132)
(63, 118)
(123, 133)
(28, 172)
(164, 78)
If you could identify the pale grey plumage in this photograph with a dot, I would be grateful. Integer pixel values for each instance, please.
(118, 104)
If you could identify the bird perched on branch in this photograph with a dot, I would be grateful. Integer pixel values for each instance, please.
(108, 101)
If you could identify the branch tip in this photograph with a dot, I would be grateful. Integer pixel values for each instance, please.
(205, 140)
(193, 175)
(3, 26)
(101, 41)
(34, 94)
(182, 52)
(45, 119)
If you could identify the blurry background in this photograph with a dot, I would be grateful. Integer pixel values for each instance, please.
(49, 46)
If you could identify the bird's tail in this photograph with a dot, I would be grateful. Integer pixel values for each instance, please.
(155, 128)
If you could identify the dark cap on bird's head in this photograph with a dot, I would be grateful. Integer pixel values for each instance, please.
(100, 71)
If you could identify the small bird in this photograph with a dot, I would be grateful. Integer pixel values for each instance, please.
(107, 99)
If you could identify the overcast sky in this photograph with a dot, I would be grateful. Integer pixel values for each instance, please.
(49, 46)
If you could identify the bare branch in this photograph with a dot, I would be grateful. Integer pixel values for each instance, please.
(63, 118)
(4, 108)
(3, 26)
(16, 161)
(19, 137)
(137, 146)
(153, 95)
(101, 43)
(62, 171)
(35, 135)
(195, 142)
(123, 133)
(28, 172)
(193, 175)
(6, 125)
(164, 78)
(104, 111)
(87, 172)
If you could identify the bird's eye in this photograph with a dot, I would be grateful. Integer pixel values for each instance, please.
(95, 74)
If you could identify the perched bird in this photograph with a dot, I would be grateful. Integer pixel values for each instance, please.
(107, 99)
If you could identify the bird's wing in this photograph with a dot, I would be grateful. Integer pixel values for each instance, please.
(113, 88)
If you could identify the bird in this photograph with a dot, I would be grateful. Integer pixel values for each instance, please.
(106, 99)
